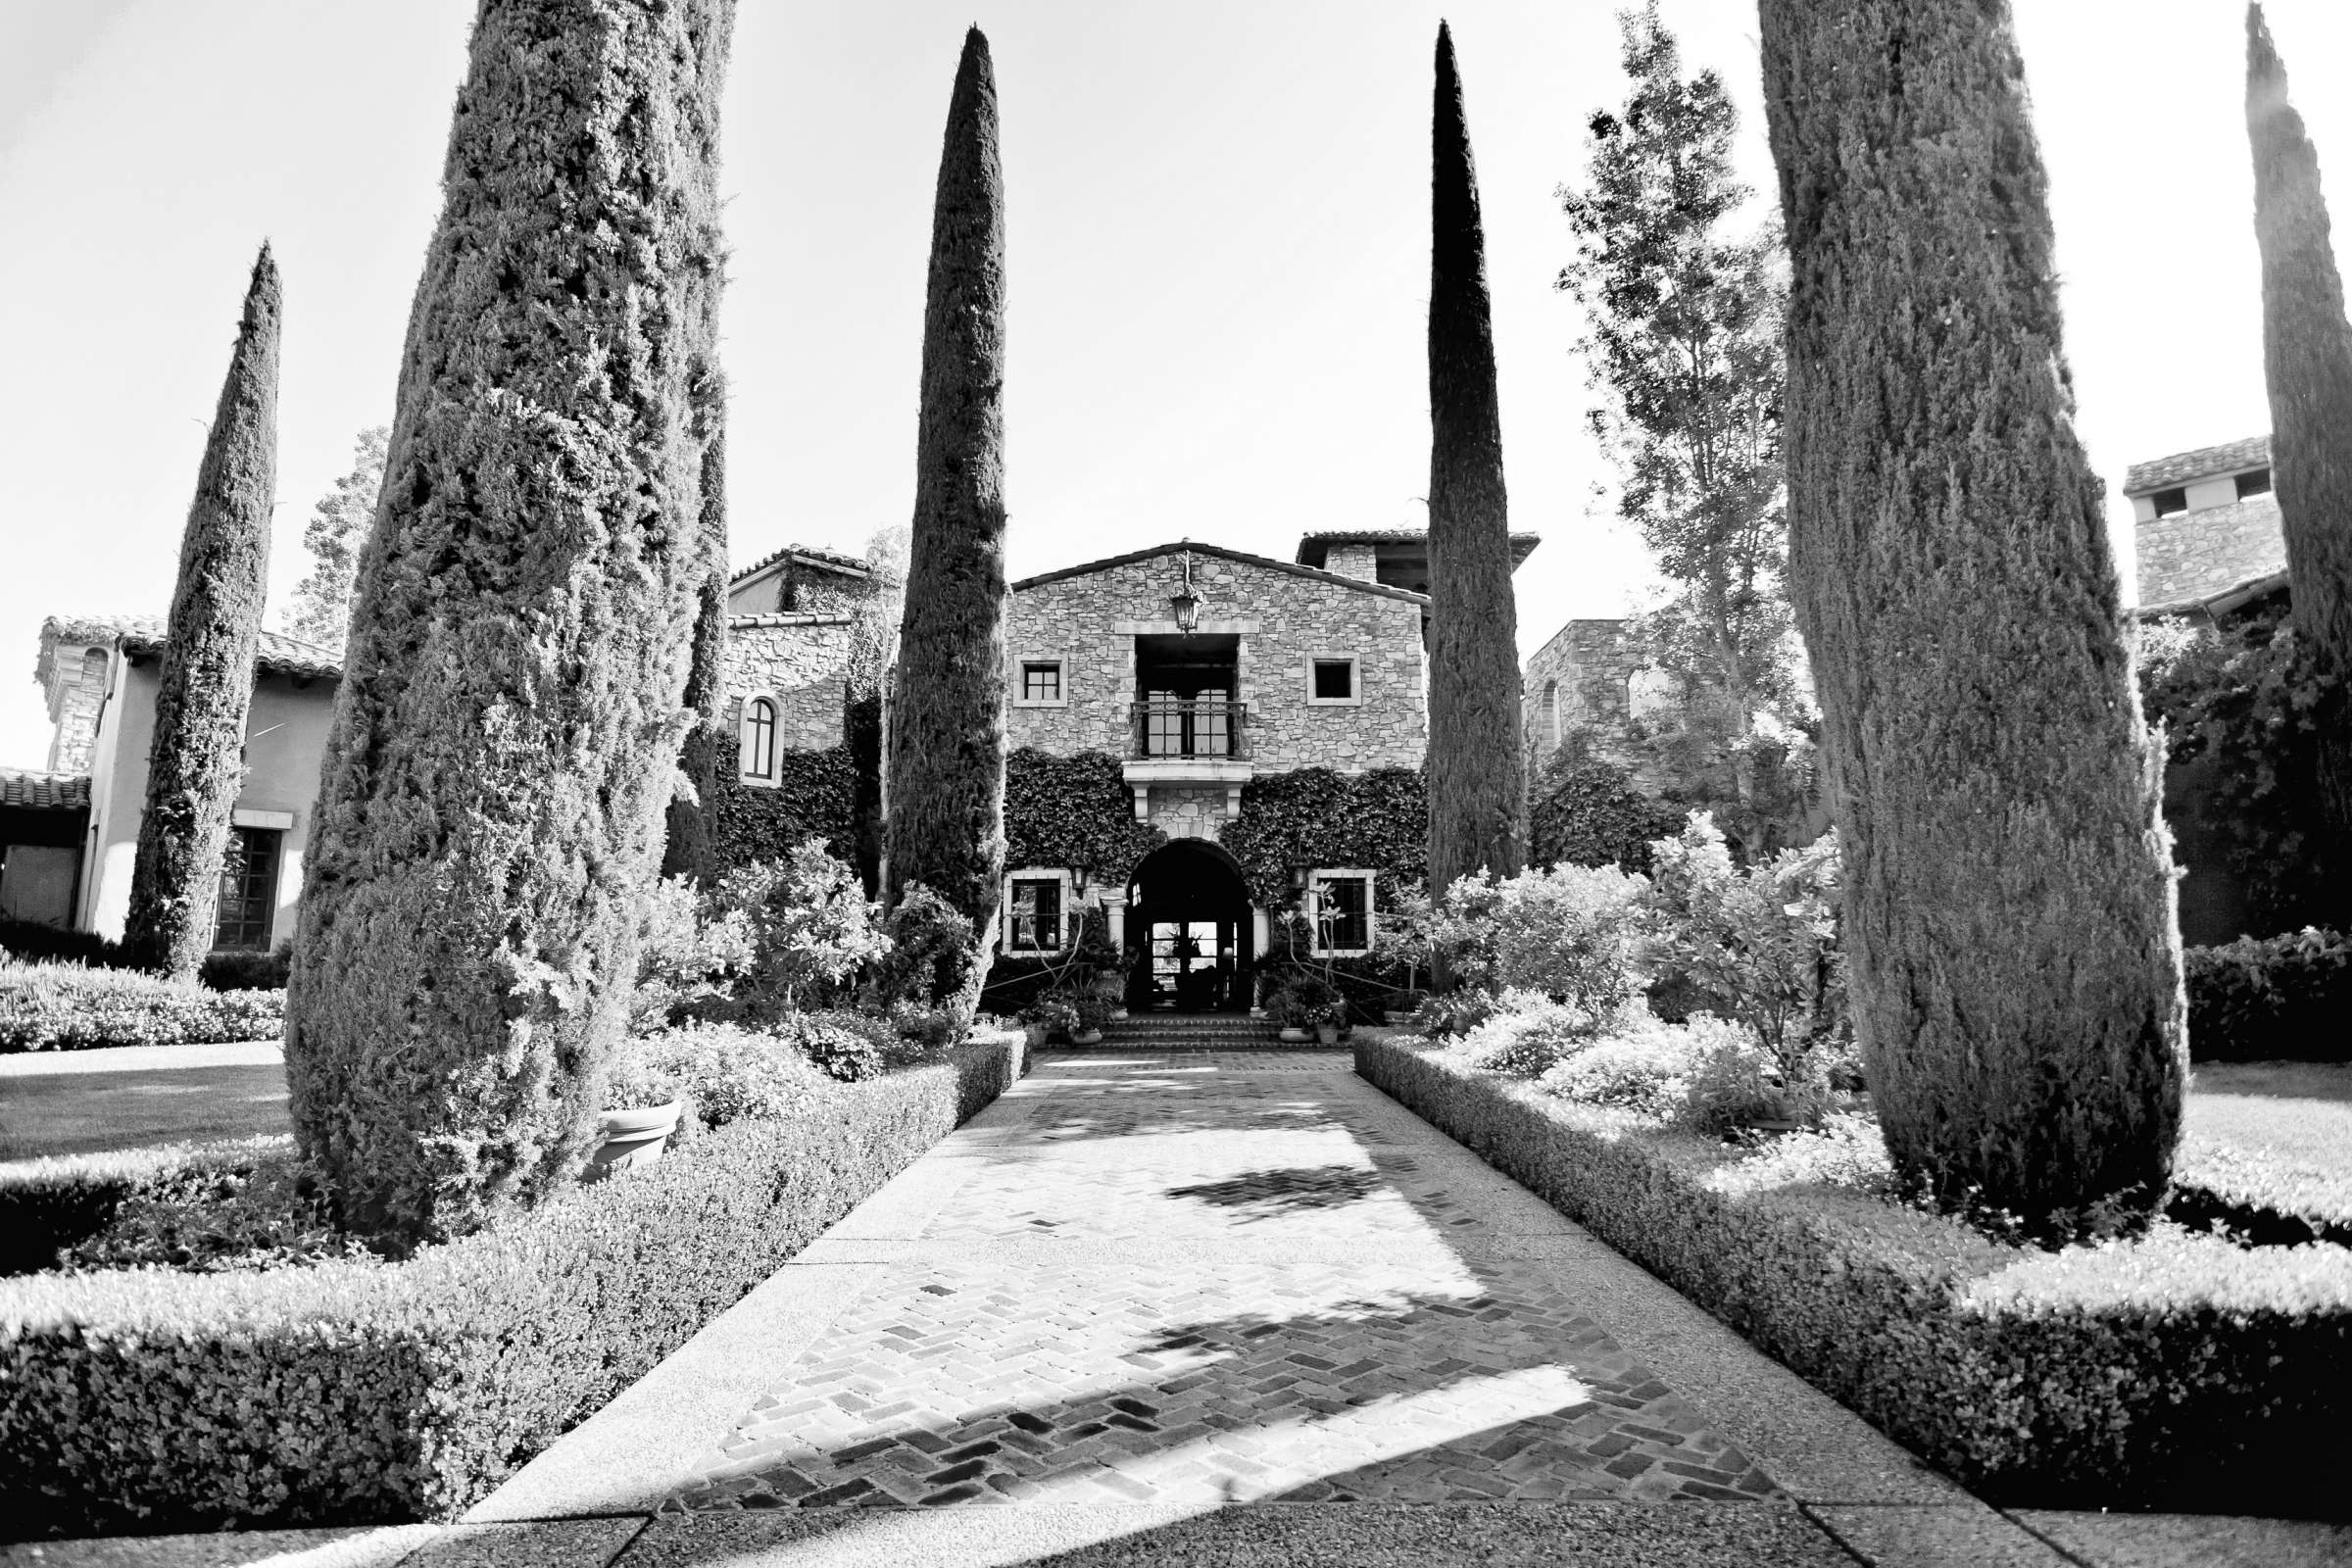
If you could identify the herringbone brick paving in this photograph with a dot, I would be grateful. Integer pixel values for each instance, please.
(1390, 1357)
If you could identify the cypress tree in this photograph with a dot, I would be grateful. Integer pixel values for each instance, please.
(690, 848)
(1477, 774)
(2015, 966)
(2307, 361)
(947, 727)
(505, 735)
(196, 760)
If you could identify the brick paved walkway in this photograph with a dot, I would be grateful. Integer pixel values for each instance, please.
(1202, 1279)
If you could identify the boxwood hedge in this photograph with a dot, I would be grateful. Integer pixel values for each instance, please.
(64, 1006)
(146, 1401)
(2178, 1371)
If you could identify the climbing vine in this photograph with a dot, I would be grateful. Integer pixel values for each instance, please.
(1589, 814)
(1314, 817)
(814, 796)
(1073, 811)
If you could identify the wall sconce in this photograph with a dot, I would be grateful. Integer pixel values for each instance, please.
(1078, 880)
(1298, 879)
(1184, 602)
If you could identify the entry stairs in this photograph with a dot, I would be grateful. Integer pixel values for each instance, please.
(1194, 1031)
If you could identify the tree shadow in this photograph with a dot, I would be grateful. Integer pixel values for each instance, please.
(1262, 1194)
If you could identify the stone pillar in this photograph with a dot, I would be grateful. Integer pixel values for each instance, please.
(1115, 918)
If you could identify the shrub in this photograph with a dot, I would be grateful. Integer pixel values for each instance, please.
(239, 1207)
(1588, 813)
(728, 1073)
(692, 950)
(63, 1006)
(930, 955)
(1645, 1068)
(811, 930)
(346, 1392)
(248, 971)
(1737, 1082)
(34, 943)
(1573, 933)
(1526, 1035)
(2283, 998)
(2172, 1372)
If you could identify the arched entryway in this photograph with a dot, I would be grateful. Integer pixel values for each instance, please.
(1191, 933)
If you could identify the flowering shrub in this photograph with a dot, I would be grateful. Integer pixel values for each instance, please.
(1573, 933)
(812, 929)
(1645, 1068)
(1526, 1033)
(728, 1073)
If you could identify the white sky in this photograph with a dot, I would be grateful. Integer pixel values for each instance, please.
(1218, 247)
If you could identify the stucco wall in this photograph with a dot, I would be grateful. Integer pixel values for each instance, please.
(1283, 620)
(285, 743)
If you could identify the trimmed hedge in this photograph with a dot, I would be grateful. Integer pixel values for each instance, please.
(2175, 1372)
(148, 1400)
(64, 1006)
(2271, 999)
(32, 941)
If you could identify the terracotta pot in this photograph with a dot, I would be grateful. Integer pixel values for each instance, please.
(1038, 1033)
(1086, 1037)
(1293, 1037)
(632, 1138)
(1326, 1033)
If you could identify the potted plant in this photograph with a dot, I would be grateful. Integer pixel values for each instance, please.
(644, 1107)
(1090, 1010)
(1046, 1016)
(1329, 1019)
(1284, 1006)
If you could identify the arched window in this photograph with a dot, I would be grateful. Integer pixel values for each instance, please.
(759, 738)
(1551, 715)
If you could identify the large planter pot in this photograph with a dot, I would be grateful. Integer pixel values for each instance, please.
(1293, 1037)
(1038, 1033)
(632, 1138)
(1326, 1033)
(1086, 1037)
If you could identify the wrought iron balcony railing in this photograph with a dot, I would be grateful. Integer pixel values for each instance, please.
(1203, 727)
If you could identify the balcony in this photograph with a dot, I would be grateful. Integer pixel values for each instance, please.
(1194, 742)
(1188, 729)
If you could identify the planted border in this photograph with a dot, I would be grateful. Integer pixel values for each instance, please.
(147, 1400)
(2176, 1373)
(64, 1006)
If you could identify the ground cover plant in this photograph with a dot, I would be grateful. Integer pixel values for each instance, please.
(325, 1383)
(66, 1007)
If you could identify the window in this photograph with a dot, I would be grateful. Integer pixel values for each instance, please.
(2168, 502)
(1040, 684)
(1331, 678)
(2257, 483)
(1551, 715)
(1341, 907)
(1033, 915)
(248, 890)
(759, 739)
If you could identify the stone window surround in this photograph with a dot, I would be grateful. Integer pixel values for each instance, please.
(743, 739)
(1355, 678)
(1314, 886)
(1070, 895)
(1020, 669)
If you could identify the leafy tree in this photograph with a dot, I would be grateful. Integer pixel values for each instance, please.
(2307, 361)
(196, 758)
(1684, 348)
(1477, 771)
(337, 529)
(2014, 970)
(947, 741)
(691, 846)
(489, 822)
(1588, 813)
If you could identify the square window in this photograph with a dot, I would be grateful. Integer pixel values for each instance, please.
(2168, 502)
(2257, 483)
(1036, 924)
(1041, 682)
(1334, 680)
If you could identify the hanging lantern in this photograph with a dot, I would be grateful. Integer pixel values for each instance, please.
(1184, 602)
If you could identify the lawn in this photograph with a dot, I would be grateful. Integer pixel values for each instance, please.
(2297, 1113)
(138, 1096)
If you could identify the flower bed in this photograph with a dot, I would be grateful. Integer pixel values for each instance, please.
(64, 1006)
(361, 1391)
(2176, 1371)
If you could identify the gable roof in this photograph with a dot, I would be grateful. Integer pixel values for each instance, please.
(2213, 559)
(1312, 574)
(33, 790)
(278, 654)
(2235, 456)
(822, 559)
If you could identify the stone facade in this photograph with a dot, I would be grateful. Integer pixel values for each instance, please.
(801, 662)
(76, 685)
(1284, 617)
(2191, 559)
(798, 579)
(1594, 682)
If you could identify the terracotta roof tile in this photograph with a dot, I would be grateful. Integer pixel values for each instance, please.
(44, 791)
(278, 654)
(833, 559)
(2204, 462)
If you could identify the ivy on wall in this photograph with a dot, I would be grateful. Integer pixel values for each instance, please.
(814, 796)
(1314, 817)
(1589, 814)
(1073, 811)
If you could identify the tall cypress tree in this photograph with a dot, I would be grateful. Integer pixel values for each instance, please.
(504, 736)
(2016, 970)
(196, 760)
(947, 727)
(1477, 774)
(2307, 361)
(690, 848)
